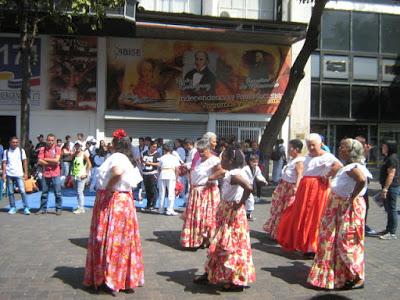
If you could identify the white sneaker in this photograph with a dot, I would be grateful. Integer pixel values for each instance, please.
(79, 210)
(388, 236)
(171, 213)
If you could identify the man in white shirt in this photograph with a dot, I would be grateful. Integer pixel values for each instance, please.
(15, 169)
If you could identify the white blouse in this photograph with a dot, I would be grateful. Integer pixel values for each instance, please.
(130, 176)
(319, 165)
(229, 192)
(289, 173)
(201, 171)
(343, 185)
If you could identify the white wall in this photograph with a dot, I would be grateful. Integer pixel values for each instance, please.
(62, 123)
(300, 111)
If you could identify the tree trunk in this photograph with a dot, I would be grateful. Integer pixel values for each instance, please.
(296, 75)
(28, 31)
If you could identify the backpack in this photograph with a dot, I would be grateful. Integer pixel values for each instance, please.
(276, 153)
(20, 153)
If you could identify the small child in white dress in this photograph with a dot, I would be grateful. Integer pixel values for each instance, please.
(253, 174)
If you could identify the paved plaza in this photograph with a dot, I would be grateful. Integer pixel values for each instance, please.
(42, 257)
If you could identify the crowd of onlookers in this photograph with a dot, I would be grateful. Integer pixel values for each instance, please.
(78, 159)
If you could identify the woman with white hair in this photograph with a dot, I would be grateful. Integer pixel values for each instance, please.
(339, 261)
(299, 224)
(204, 197)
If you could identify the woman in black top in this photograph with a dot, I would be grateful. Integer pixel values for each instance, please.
(389, 180)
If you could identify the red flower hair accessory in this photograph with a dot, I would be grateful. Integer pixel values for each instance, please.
(119, 134)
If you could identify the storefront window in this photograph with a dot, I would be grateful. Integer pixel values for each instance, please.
(390, 102)
(315, 65)
(390, 34)
(335, 101)
(365, 68)
(364, 102)
(336, 30)
(336, 66)
(314, 100)
(365, 32)
(390, 69)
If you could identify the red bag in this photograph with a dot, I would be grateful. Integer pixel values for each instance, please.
(69, 182)
(178, 188)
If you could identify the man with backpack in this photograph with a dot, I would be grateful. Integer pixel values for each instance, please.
(15, 170)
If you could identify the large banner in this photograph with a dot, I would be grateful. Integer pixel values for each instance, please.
(195, 76)
(11, 72)
(72, 73)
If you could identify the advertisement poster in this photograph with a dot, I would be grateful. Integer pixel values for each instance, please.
(195, 76)
(72, 73)
(11, 72)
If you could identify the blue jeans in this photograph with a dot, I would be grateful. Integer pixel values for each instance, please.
(46, 182)
(10, 190)
(391, 209)
(277, 166)
(80, 187)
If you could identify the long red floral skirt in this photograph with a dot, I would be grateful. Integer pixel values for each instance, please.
(199, 216)
(229, 255)
(299, 225)
(114, 254)
(340, 255)
(282, 197)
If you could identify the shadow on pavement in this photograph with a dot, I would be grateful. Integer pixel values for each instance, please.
(168, 238)
(330, 297)
(72, 276)
(81, 242)
(185, 278)
(269, 245)
(296, 274)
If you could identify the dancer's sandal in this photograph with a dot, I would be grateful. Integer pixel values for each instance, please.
(201, 279)
(353, 285)
(232, 288)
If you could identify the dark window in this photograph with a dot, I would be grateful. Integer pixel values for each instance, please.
(364, 102)
(335, 101)
(390, 102)
(390, 34)
(336, 30)
(314, 100)
(365, 32)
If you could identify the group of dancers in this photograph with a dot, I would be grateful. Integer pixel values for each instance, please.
(309, 213)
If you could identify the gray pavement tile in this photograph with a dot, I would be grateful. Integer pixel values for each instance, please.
(43, 257)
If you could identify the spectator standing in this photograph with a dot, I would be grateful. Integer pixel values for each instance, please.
(150, 165)
(278, 157)
(15, 170)
(49, 159)
(66, 156)
(366, 147)
(80, 139)
(69, 141)
(98, 160)
(167, 179)
(389, 180)
(254, 150)
(80, 169)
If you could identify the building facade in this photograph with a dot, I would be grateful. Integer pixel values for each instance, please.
(94, 84)
(355, 85)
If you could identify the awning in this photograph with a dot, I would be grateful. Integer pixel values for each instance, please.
(195, 27)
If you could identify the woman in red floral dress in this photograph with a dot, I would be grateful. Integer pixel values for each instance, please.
(230, 260)
(339, 261)
(114, 257)
(285, 192)
(204, 197)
